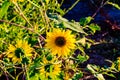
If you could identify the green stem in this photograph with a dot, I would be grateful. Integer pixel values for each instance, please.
(42, 11)
(21, 13)
(71, 7)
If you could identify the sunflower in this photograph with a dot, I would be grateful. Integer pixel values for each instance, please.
(60, 42)
(21, 49)
(50, 68)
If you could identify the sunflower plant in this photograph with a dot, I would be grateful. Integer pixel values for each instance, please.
(19, 51)
(37, 43)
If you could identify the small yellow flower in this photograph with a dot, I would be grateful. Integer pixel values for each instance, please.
(50, 68)
(20, 49)
(60, 42)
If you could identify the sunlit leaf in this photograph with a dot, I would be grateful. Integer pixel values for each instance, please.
(35, 77)
(85, 21)
(74, 26)
(82, 41)
(4, 8)
(94, 27)
(114, 4)
(90, 68)
(99, 76)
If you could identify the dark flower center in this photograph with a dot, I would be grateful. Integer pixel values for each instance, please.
(60, 41)
(19, 52)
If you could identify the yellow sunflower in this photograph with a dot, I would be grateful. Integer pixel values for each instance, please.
(60, 42)
(21, 49)
(50, 68)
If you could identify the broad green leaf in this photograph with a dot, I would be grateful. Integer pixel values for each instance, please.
(74, 26)
(4, 9)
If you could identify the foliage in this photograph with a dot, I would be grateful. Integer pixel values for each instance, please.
(30, 21)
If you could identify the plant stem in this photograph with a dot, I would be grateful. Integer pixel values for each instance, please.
(71, 7)
(21, 13)
(29, 29)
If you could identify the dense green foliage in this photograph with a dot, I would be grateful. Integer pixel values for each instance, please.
(25, 24)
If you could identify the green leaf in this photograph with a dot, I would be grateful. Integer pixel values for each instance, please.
(81, 49)
(4, 9)
(82, 59)
(25, 60)
(85, 21)
(94, 27)
(99, 76)
(35, 77)
(47, 1)
(60, 11)
(111, 75)
(91, 69)
(88, 19)
(114, 4)
(75, 26)
(82, 41)
(78, 76)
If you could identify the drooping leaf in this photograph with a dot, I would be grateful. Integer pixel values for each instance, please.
(75, 26)
(71, 25)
